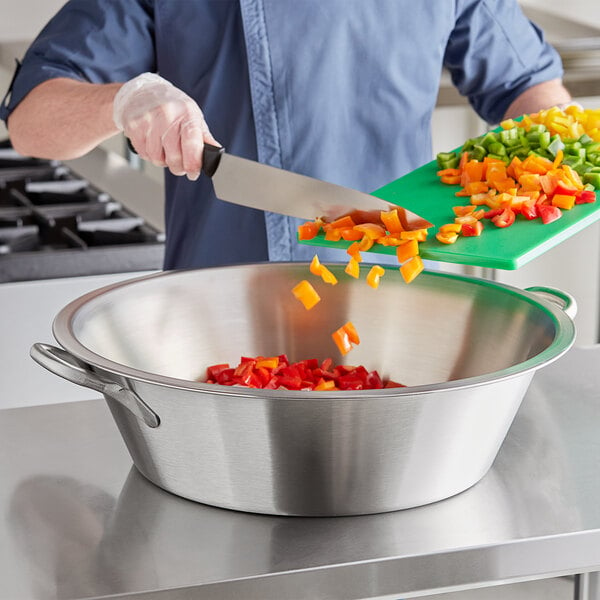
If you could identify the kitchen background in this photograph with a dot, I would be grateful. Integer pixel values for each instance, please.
(573, 266)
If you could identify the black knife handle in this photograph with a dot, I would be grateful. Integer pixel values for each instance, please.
(211, 157)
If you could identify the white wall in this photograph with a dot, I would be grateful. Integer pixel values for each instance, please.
(23, 19)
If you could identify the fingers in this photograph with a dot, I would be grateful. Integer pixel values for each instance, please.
(165, 125)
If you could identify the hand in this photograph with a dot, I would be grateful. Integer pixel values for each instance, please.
(165, 125)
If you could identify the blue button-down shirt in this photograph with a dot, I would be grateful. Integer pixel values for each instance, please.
(342, 90)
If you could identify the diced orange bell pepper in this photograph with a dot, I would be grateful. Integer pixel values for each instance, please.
(564, 201)
(572, 176)
(370, 230)
(451, 172)
(391, 221)
(450, 179)
(351, 235)
(536, 164)
(345, 222)
(315, 266)
(352, 333)
(308, 230)
(366, 243)
(474, 187)
(558, 159)
(353, 268)
(447, 237)
(327, 276)
(390, 240)
(325, 385)
(406, 250)
(472, 172)
(345, 337)
(320, 270)
(269, 362)
(411, 268)
(354, 251)
(374, 276)
(415, 234)
(306, 293)
(461, 211)
(465, 219)
(530, 182)
(340, 337)
(451, 228)
(333, 234)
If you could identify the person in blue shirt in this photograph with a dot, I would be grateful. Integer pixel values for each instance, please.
(340, 90)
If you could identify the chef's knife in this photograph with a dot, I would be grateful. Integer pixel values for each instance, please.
(249, 183)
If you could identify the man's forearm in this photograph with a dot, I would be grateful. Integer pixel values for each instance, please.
(539, 97)
(63, 119)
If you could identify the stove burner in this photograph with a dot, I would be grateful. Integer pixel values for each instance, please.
(56, 224)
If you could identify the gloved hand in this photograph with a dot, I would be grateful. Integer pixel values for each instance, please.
(165, 125)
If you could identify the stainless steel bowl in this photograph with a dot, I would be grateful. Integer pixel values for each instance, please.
(467, 349)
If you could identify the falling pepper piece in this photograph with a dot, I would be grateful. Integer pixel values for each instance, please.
(345, 337)
(374, 276)
(353, 268)
(306, 294)
(411, 268)
(320, 270)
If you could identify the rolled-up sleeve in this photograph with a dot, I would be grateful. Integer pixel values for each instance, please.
(495, 53)
(98, 41)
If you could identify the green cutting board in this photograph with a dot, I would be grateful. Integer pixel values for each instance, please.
(508, 248)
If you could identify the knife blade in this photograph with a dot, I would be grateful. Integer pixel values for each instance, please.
(255, 185)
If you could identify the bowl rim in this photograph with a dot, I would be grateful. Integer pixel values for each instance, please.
(63, 332)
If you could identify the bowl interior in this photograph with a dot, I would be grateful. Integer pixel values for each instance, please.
(438, 328)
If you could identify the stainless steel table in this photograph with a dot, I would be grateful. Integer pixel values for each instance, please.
(78, 521)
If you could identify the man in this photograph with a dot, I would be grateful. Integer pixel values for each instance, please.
(341, 90)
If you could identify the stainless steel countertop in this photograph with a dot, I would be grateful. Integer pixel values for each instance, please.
(78, 521)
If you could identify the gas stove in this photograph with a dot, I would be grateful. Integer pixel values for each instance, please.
(56, 223)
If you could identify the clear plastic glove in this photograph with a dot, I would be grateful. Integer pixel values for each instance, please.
(165, 125)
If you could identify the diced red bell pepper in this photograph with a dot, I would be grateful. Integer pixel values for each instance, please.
(548, 213)
(472, 229)
(494, 212)
(564, 189)
(303, 375)
(505, 218)
(529, 210)
(585, 196)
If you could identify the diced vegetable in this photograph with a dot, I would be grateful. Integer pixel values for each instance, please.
(278, 373)
(374, 276)
(406, 250)
(505, 218)
(345, 338)
(391, 221)
(306, 293)
(547, 159)
(472, 229)
(308, 230)
(564, 201)
(548, 213)
(353, 268)
(411, 268)
(316, 268)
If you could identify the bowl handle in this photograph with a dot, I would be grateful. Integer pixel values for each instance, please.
(562, 299)
(63, 364)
